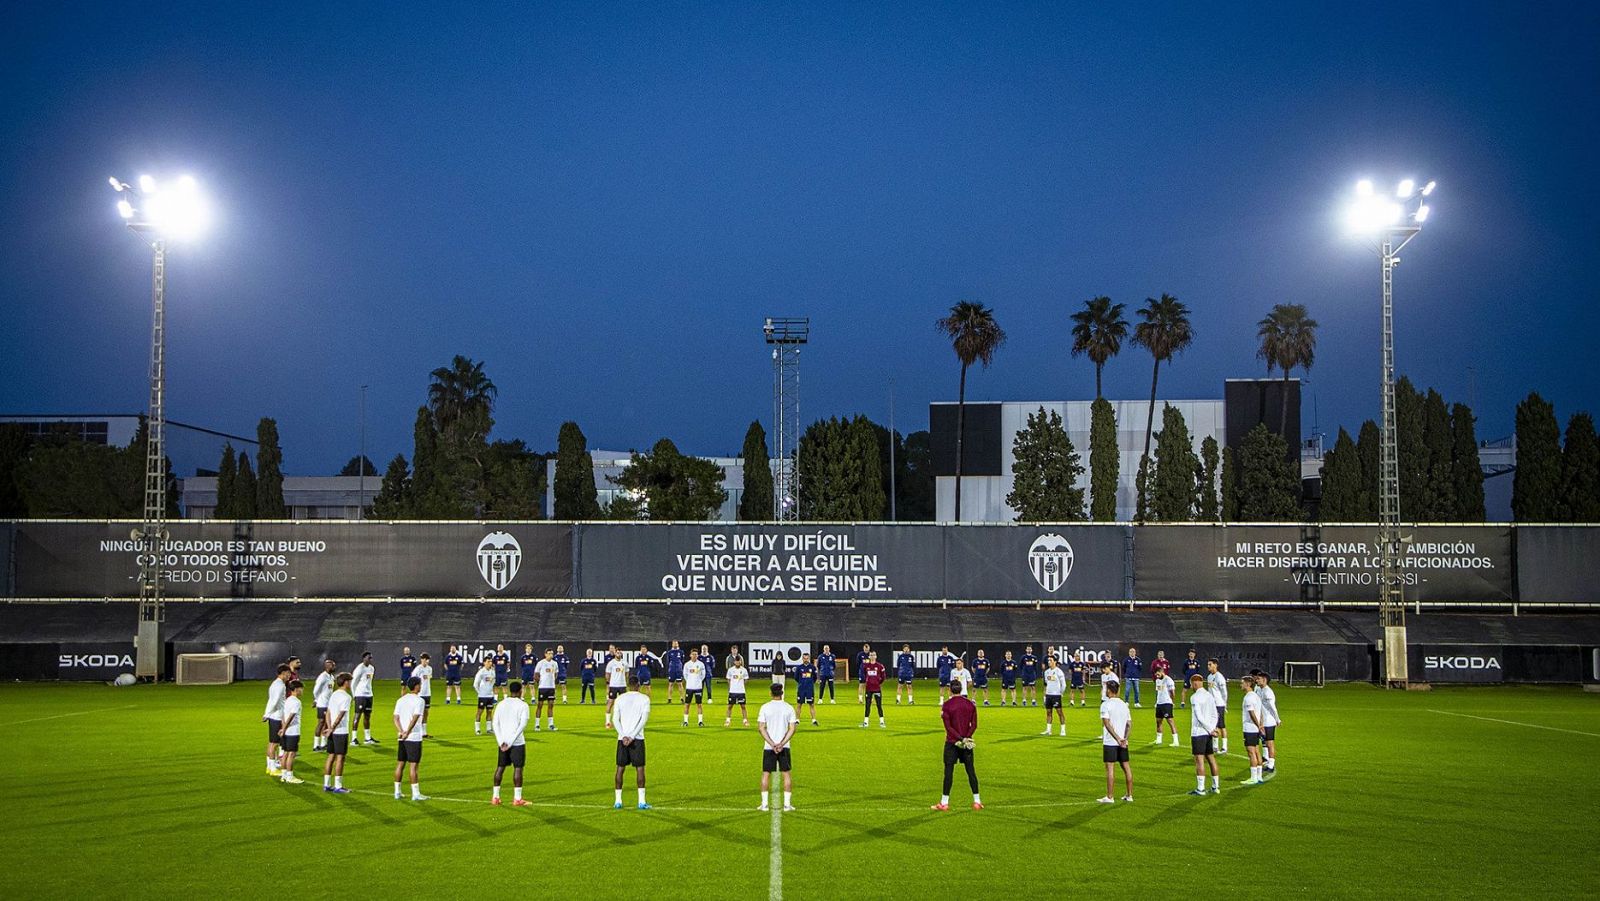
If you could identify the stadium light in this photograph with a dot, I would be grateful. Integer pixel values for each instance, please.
(178, 212)
(1394, 222)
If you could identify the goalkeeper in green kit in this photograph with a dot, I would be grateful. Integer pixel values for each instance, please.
(960, 722)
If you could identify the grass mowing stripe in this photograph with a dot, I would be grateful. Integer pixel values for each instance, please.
(775, 857)
(59, 716)
(1493, 719)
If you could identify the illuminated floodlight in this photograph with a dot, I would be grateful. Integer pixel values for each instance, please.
(1421, 214)
(1406, 189)
(1364, 188)
(178, 211)
(1428, 188)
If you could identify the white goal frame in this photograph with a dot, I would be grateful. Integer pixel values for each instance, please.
(1316, 676)
(205, 669)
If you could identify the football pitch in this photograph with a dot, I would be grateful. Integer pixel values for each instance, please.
(161, 791)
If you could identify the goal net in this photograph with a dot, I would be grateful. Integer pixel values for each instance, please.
(205, 669)
(1302, 673)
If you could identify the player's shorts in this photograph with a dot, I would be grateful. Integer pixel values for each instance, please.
(1252, 739)
(1027, 682)
(944, 681)
(980, 681)
(500, 680)
(904, 680)
(1008, 684)
(1271, 732)
(693, 696)
(339, 743)
(272, 730)
(805, 696)
(561, 678)
(1115, 754)
(613, 692)
(1077, 682)
(322, 715)
(547, 694)
(1163, 711)
(643, 681)
(290, 743)
(1202, 745)
(674, 677)
(427, 701)
(587, 680)
(630, 755)
(362, 703)
(515, 756)
(1222, 718)
(528, 677)
(1052, 701)
(735, 698)
(408, 751)
(775, 761)
(825, 680)
(452, 679)
(486, 703)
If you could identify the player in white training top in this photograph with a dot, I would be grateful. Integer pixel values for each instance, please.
(776, 721)
(273, 716)
(337, 733)
(1164, 689)
(1271, 720)
(546, 671)
(408, 712)
(1252, 723)
(424, 671)
(632, 712)
(1116, 722)
(1203, 735)
(1217, 684)
(319, 696)
(361, 692)
(694, 684)
(737, 676)
(1055, 685)
(616, 681)
(290, 742)
(483, 687)
(510, 722)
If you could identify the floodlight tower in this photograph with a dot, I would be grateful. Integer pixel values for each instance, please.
(177, 212)
(1394, 221)
(786, 336)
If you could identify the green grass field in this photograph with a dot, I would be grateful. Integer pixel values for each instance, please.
(160, 792)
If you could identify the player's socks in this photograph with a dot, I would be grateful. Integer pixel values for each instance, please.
(788, 800)
(619, 797)
(641, 797)
(882, 724)
(686, 719)
(763, 805)
(416, 793)
(551, 722)
(1199, 783)
(944, 800)
(1063, 728)
(516, 793)
(1216, 783)
(397, 791)
(700, 719)
(1046, 729)
(497, 792)
(863, 722)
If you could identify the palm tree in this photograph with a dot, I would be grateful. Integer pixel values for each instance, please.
(1164, 332)
(1098, 332)
(1288, 339)
(975, 336)
(457, 389)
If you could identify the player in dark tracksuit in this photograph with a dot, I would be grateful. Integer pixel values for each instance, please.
(1009, 670)
(946, 663)
(1191, 667)
(1030, 675)
(826, 664)
(674, 663)
(588, 668)
(980, 676)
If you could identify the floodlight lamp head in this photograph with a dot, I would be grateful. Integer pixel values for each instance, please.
(1428, 188)
(1406, 188)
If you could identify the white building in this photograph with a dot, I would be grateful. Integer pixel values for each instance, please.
(304, 497)
(608, 464)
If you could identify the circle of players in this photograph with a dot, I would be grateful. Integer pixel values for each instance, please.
(345, 699)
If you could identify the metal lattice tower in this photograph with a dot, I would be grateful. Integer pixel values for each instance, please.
(153, 532)
(1391, 596)
(786, 337)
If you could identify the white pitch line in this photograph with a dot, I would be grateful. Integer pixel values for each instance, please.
(1491, 719)
(58, 716)
(775, 858)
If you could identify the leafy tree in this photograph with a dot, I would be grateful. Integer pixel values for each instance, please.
(975, 336)
(756, 504)
(1439, 490)
(575, 494)
(840, 475)
(1288, 339)
(1369, 446)
(1230, 486)
(1098, 330)
(269, 472)
(67, 477)
(394, 497)
(13, 456)
(1105, 460)
(1580, 471)
(244, 490)
(458, 391)
(1536, 484)
(1046, 470)
(514, 488)
(356, 466)
(227, 485)
(1176, 470)
(1341, 482)
(1165, 332)
(1141, 487)
(437, 484)
(915, 485)
(671, 486)
(1267, 483)
(1465, 467)
(1210, 507)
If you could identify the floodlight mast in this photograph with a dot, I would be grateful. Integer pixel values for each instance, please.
(786, 336)
(150, 214)
(1395, 223)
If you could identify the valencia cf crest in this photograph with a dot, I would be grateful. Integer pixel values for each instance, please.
(499, 557)
(1050, 558)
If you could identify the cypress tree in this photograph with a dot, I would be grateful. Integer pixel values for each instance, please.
(576, 496)
(1580, 471)
(269, 472)
(871, 498)
(393, 500)
(1104, 461)
(1210, 505)
(226, 490)
(1465, 468)
(1437, 438)
(756, 504)
(1341, 482)
(1368, 447)
(1266, 480)
(1415, 497)
(1230, 486)
(1046, 472)
(1536, 485)
(1173, 487)
(244, 490)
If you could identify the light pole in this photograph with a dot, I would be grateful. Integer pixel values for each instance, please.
(157, 214)
(1394, 221)
(361, 463)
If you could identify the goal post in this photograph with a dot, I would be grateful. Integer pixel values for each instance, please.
(205, 669)
(1303, 673)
